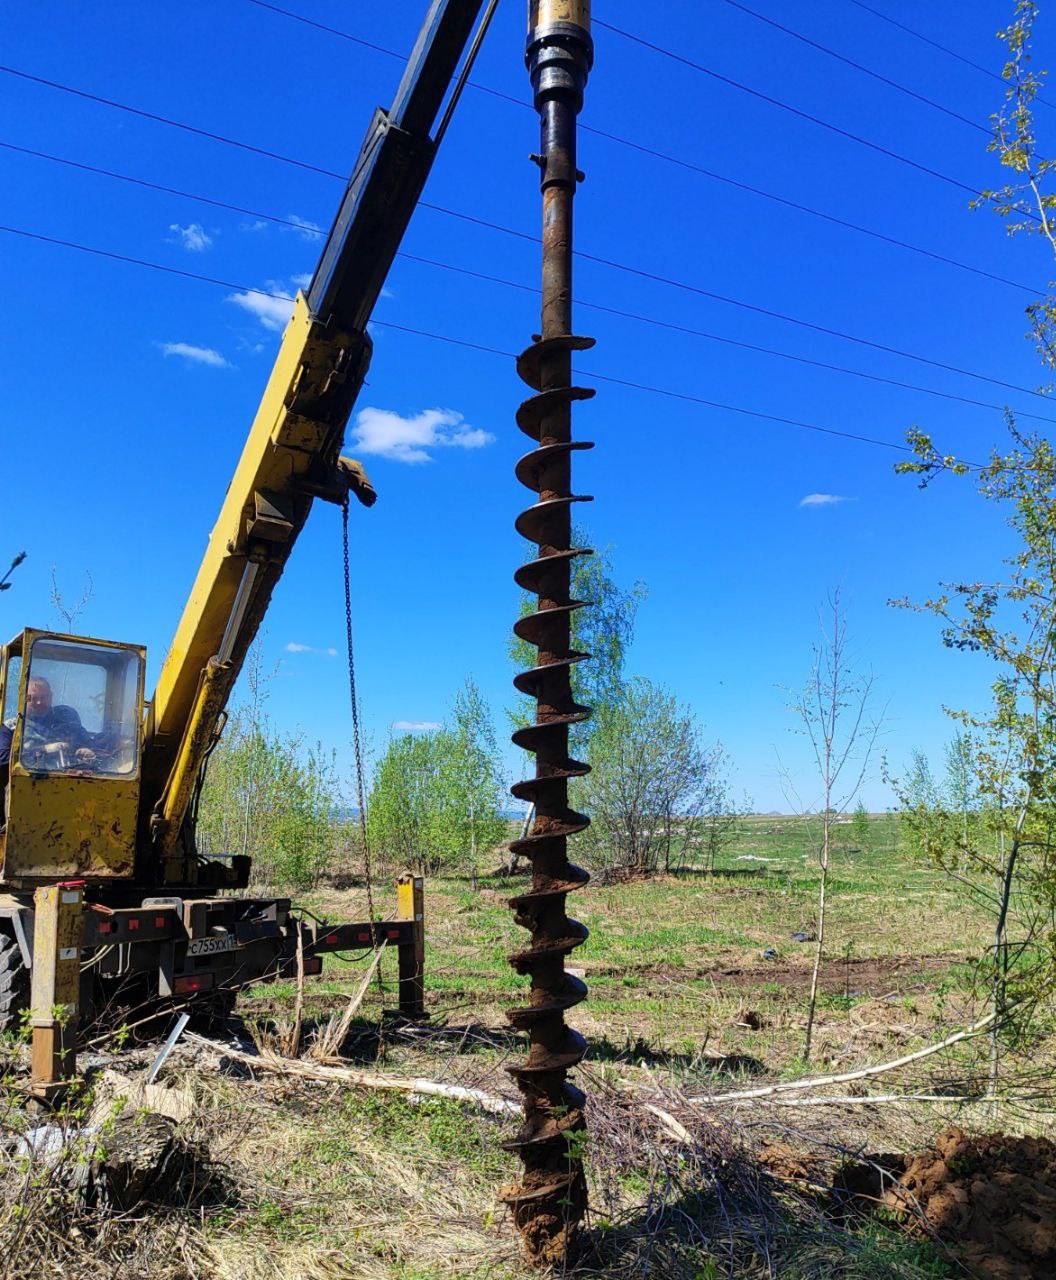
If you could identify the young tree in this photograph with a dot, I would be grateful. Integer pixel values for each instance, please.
(402, 811)
(1007, 855)
(477, 778)
(436, 802)
(960, 785)
(835, 714)
(860, 824)
(655, 792)
(604, 630)
(1026, 202)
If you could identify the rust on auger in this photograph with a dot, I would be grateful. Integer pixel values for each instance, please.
(550, 1200)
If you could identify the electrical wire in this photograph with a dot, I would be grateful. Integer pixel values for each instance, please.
(638, 147)
(685, 164)
(918, 35)
(665, 391)
(655, 322)
(513, 284)
(747, 306)
(786, 106)
(476, 346)
(857, 66)
(695, 289)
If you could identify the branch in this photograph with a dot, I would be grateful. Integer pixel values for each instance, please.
(360, 1079)
(817, 1082)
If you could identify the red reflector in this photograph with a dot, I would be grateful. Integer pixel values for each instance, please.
(394, 933)
(196, 982)
(160, 922)
(362, 937)
(313, 964)
(331, 938)
(133, 923)
(104, 926)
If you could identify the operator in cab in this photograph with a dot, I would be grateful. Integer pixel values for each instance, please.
(46, 725)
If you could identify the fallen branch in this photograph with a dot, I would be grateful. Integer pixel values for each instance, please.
(867, 1099)
(844, 1077)
(272, 1063)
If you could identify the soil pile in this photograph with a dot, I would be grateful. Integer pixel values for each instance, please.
(991, 1198)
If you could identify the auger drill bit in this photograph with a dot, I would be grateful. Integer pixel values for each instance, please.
(550, 1200)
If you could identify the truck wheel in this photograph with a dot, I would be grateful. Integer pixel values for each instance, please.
(14, 984)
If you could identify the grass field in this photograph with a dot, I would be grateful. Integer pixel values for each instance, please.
(696, 985)
(671, 962)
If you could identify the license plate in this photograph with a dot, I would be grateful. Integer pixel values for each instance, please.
(210, 946)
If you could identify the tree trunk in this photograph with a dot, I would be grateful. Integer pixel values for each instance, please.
(812, 1002)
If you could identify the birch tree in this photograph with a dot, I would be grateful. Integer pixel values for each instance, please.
(835, 716)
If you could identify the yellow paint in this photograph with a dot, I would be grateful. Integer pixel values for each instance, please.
(67, 826)
(541, 13)
(282, 446)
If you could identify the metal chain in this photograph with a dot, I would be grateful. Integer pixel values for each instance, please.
(356, 743)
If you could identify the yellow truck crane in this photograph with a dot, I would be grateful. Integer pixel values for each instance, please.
(101, 877)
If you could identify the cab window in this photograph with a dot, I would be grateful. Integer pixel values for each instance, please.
(81, 709)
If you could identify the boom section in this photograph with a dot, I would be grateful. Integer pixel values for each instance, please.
(291, 455)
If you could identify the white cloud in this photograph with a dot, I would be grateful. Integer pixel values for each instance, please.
(302, 281)
(198, 355)
(272, 312)
(390, 435)
(386, 292)
(415, 726)
(259, 225)
(308, 230)
(822, 499)
(194, 238)
(295, 646)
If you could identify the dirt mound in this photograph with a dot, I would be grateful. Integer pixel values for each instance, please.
(991, 1198)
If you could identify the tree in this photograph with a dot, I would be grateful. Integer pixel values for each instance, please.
(1026, 203)
(1007, 856)
(860, 824)
(960, 778)
(656, 793)
(436, 800)
(604, 630)
(835, 714)
(404, 803)
(477, 780)
(267, 796)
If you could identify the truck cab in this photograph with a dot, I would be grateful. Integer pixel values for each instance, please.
(73, 719)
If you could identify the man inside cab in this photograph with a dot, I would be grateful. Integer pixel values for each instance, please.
(49, 729)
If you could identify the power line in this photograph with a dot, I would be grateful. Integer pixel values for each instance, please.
(839, 57)
(175, 124)
(607, 262)
(677, 160)
(157, 186)
(378, 48)
(475, 346)
(918, 35)
(513, 284)
(715, 337)
(786, 106)
(747, 306)
(805, 208)
(142, 262)
(601, 133)
(660, 391)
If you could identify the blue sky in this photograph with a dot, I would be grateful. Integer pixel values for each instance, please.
(127, 393)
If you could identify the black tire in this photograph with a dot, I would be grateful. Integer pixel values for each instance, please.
(14, 984)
